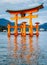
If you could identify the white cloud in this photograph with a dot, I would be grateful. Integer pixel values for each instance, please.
(36, 4)
(14, 1)
(41, 13)
(21, 1)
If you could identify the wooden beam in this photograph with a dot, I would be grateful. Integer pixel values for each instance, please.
(31, 10)
(14, 18)
(25, 11)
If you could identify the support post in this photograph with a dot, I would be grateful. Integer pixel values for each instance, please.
(16, 26)
(37, 28)
(8, 30)
(30, 26)
(21, 29)
(24, 28)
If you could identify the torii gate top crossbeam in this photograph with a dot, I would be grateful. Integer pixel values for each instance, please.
(31, 10)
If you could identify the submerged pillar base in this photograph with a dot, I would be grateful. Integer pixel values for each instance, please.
(31, 35)
(8, 34)
(24, 35)
(15, 34)
(37, 34)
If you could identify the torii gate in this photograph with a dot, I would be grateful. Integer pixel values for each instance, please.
(23, 16)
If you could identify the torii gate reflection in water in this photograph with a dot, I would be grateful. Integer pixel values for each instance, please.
(23, 26)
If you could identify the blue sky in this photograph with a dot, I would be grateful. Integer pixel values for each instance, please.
(19, 4)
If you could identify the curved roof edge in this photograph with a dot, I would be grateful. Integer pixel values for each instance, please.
(38, 7)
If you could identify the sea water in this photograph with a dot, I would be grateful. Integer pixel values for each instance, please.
(23, 50)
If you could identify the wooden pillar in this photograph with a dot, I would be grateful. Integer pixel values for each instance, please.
(24, 28)
(37, 28)
(8, 30)
(16, 26)
(30, 26)
(21, 29)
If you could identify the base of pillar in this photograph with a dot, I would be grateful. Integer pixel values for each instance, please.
(15, 34)
(23, 35)
(37, 34)
(8, 34)
(31, 35)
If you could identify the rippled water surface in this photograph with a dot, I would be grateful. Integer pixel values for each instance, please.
(23, 50)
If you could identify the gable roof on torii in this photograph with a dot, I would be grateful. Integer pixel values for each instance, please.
(24, 11)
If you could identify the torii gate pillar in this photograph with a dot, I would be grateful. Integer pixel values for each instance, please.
(24, 29)
(30, 26)
(8, 30)
(37, 28)
(16, 26)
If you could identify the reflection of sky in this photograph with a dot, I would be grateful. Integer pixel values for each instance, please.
(23, 4)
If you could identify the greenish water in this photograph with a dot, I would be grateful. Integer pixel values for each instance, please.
(23, 50)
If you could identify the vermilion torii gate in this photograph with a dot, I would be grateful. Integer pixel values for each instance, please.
(23, 16)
